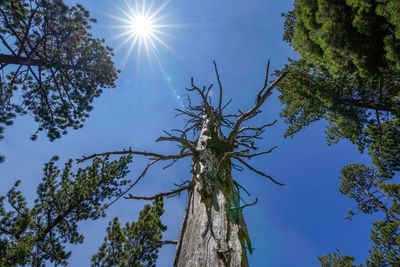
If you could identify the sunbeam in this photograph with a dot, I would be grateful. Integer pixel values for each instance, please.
(143, 28)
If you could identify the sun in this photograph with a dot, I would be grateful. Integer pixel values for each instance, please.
(142, 27)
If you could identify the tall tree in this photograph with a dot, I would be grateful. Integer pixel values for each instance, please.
(349, 75)
(52, 66)
(33, 236)
(213, 232)
(137, 243)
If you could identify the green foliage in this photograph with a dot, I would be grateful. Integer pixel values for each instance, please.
(137, 243)
(54, 68)
(386, 249)
(370, 190)
(384, 146)
(347, 36)
(349, 76)
(32, 236)
(373, 193)
(337, 260)
(366, 112)
(345, 76)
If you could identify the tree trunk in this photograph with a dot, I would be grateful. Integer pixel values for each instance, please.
(213, 231)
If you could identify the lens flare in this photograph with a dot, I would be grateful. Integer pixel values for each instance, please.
(142, 28)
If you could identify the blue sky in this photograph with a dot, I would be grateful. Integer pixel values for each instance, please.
(291, 225)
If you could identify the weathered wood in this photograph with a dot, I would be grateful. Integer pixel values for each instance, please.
(213, 231)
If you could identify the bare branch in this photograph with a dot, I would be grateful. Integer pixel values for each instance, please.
(256, 129)
(220, 89)
(168, 242)
(257, 171)
(162, 194)
(133, 152)
(188, 144)
(143, 173)
(260, 99)
(245, 153)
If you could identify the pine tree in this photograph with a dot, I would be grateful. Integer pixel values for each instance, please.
(34, 236)
(353, 36)
(137, 243)
(337, 260)
(349, 75)
(52, 63)
(344, 77)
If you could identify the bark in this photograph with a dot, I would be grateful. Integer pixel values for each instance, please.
(213, 231)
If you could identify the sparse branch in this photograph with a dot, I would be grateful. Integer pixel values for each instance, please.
(168, 242)
(239, 186)
(245, 153)
(256, 129)
(188, 144)
(142, 174)
(249, 156)
(266, 80)
(237, 167)
(260, 99)
(220, 89)
(257, 171)
(377, 202)
(133, 152)
(203, 93)
(162, 194)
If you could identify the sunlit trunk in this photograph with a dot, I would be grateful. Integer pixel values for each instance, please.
(213, 231)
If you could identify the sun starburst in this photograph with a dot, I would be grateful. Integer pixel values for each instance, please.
(142, 28)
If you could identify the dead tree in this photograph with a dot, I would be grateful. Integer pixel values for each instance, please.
(213, 232)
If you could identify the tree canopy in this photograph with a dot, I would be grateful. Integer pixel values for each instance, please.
(346, 75)
(352, 36)
(52, 66)
(32, 236)
(349, 76)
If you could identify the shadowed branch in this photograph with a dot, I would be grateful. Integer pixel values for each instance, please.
(162, 194)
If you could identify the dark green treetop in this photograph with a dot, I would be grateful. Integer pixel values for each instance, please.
(334, 80)
(352, 36)
(33, 236)
(349, 76)
(53, 67)
(137, 243)
(346, 74)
